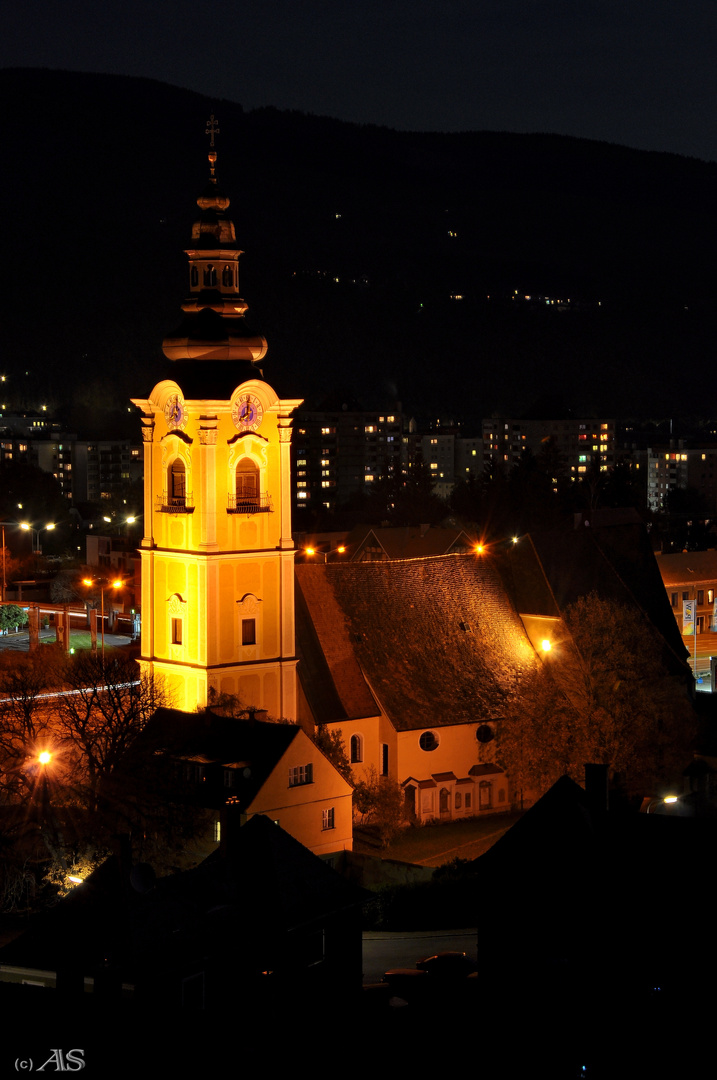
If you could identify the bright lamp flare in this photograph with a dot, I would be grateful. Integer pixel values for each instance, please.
(545, 645)
(45, 757)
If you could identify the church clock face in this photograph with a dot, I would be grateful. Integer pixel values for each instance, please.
(175, 411)
(247, 412)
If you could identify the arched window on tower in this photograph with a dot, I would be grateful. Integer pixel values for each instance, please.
(227, 277)
(210, 277)
(177, 483)
(194, 277)
(247, 484)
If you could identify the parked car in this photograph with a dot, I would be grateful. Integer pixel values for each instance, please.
(451, 972)
(448, 965)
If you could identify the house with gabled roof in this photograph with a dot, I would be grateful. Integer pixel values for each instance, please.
(260, 922)
(597, 899)
(254, 767)
(413, 661)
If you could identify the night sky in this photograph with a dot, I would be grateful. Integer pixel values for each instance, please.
(640, 73)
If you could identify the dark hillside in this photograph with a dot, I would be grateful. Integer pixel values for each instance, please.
(100, 173)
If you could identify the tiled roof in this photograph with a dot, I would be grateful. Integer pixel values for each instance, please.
(617, 562)
(525, 580)
(330, 673)
(483, 770)
(688, 567)
(400, 623)
(410, 541)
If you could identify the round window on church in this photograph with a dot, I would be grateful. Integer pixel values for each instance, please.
(484, 733)
(428, 740)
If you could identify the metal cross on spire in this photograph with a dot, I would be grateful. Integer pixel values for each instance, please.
(212, 129)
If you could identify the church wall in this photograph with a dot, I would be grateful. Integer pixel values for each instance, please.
(368, 730)
(457, 751)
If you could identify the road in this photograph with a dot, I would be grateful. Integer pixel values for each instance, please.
(382, 951)
(19, 642)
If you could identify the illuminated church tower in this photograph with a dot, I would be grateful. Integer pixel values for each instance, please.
(217, 554)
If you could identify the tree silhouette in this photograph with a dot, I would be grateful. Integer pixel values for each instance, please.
(606, 695)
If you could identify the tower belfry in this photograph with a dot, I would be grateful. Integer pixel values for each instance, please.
(217, 553)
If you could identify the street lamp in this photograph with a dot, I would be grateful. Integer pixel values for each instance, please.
(27, 527)
(325, 554)
(44, 759)
(4, 584)
(103, 584)
(119, 522)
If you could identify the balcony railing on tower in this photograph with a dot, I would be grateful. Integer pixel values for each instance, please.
(249, 504)
(175, 504)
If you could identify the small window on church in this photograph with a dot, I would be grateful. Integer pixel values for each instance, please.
(227, 277)
(176, 631)
(178, 482)
(210, 277)
(356, 749)
(248, 631)
(247, 483)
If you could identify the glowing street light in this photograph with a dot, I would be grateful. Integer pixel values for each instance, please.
(2, 525)
(35, 543)
(103, 585)
(545, 645)
(44, 758)
(340, 550)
